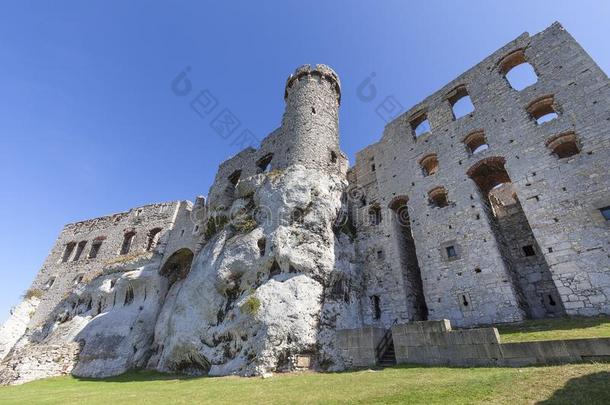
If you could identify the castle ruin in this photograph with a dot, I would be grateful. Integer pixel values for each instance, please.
(499, 215)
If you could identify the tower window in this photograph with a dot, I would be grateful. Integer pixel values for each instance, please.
(333, 157)
(564, 145)
(460, 102)
(517, 71)
(373, 167)
(429, 164)
(543, 109)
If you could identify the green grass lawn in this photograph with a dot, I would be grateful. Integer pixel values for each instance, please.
(553, 329)
(577, 383)
(581, 383)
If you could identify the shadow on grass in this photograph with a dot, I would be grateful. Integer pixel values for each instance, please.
(151, 375)
(589, 389)
(142, 376)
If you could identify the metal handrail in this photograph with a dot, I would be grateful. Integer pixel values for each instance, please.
(385, 342)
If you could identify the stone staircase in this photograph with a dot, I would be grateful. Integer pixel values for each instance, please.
(385, 354)
(389, 357)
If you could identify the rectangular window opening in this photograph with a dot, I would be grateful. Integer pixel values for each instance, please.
(451, 252)
(529, 251)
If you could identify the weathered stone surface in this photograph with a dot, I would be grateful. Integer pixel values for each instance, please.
(295, 257)
(16, 325)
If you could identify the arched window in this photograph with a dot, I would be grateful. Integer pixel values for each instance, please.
(460, 102)
(429, 164)
(178, 265)
(564, 145)
(152, 239)
(127, 241)
(475, 142)
(419, 124)
(438, 197)
(543, 109)
(517, 71)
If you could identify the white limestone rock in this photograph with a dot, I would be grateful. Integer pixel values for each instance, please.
(16, 324)
(101, 329)
(272, 284)
(242, 310)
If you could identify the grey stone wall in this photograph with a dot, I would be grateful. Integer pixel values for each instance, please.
(461, 260)
(560, 198)
(435, 343)
(58, 277)
(358, 345)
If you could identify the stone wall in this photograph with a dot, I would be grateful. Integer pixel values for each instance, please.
(560, 197)
(358, 345)
(308, 135)
(428, 237)
(435, 343)
(63, 270)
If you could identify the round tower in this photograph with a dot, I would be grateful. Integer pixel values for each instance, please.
(310, 126)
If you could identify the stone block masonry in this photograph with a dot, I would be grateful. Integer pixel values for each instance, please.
(435, 343)
(506, 207)
(496, 214)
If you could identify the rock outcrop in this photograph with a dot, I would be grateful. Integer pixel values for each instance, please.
(268, 288)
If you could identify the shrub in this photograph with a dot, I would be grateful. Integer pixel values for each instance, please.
(245, 224)
(33, 293)
(251, 306)
(275, 174)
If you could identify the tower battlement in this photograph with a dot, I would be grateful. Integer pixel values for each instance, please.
(322, 71)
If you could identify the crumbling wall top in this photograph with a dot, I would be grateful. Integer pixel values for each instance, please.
(325, 71)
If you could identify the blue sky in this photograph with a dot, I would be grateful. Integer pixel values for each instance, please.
(89, 125)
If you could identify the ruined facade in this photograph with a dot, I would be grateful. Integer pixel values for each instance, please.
(506, 213)
(496, 216)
